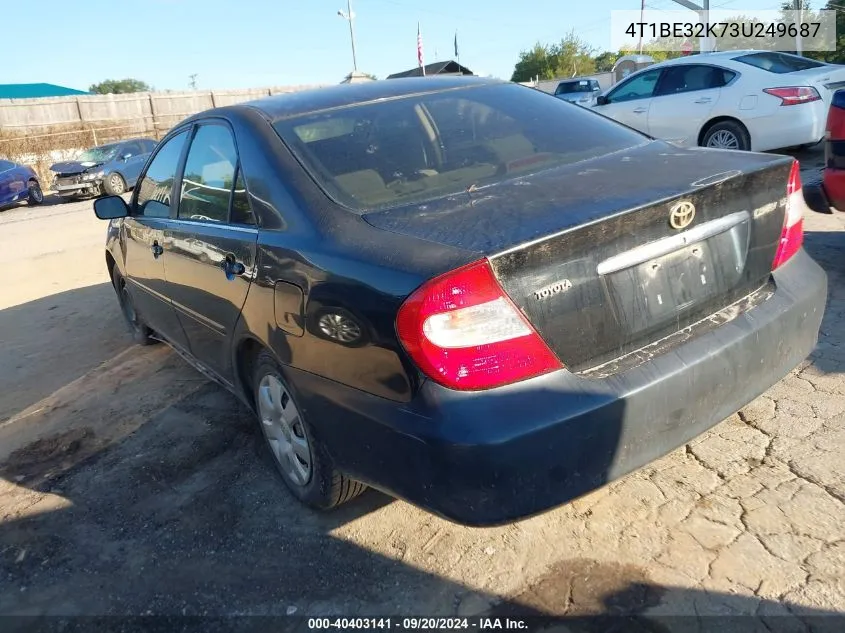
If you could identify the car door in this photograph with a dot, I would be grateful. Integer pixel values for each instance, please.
(683, 101)
(143, 235)
(211, 246)
(7, 192)
(132, 158)
(630, 101)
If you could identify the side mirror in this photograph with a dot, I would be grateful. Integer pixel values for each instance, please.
(110, 208)
(602, 100)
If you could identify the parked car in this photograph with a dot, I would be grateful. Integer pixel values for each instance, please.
(111, 169)
(746, 100)
(581, 91)
(550, 300)
(18, 182)
(833, 181)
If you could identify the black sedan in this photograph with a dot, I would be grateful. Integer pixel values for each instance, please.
(465, 293)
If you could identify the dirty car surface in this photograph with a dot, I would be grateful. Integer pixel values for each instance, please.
(464, 293)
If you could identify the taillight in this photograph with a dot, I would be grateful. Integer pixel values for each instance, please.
(463, 332)
(792, 235)
(794, 94)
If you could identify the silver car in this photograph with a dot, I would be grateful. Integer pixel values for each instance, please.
(581, 91)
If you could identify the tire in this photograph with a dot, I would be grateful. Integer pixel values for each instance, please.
(36, 196)
(312, 478)
(723, 134)
(816, 197)
(114, 185)
(141, 333)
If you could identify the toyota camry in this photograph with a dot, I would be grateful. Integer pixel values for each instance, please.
(462, 292)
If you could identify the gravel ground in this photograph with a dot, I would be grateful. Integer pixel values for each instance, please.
(131, 485)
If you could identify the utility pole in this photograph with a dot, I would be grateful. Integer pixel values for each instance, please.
(349, 16)
(799, 43)
(642, 19)
(193, 83)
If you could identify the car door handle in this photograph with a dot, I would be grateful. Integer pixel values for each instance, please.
(156, 249)
(639, 110)
(232, 267)
(703, 100)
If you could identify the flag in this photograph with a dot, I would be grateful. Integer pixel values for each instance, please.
(420, 49)
(457, 54)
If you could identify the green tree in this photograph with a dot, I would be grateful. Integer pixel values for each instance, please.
(570, 57)
(119, 86)
(605, 61)
(536, 62)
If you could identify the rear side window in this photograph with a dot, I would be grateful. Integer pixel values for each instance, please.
(779, 63)
(421, 147)
(155, 185)
(692, 77)
(209, 175)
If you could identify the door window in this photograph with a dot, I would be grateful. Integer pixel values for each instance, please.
(131, 148)
(639, 87)
(155, 186)
(691, 77)
(209, 175)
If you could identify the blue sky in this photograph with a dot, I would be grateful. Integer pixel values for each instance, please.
(253, 43)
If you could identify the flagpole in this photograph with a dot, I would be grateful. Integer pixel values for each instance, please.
(457, 50)
(420, 50)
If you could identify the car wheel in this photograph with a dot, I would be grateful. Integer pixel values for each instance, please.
(297, 453)
(36, 196)
(141, 333)
(727, 135)
(114, 185)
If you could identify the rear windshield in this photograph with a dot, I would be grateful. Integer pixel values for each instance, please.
(780, 63)
(574, 86)
(425, 146)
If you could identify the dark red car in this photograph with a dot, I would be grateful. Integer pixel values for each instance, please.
(834, 152)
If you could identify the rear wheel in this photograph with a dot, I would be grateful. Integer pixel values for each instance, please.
(114, 185)
(36, 196)
(297, 453)
(727, 135)
(141, 334)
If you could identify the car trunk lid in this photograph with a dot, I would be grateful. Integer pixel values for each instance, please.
(588, 254)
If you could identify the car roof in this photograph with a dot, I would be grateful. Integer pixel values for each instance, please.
(704, 58)
(316, 99)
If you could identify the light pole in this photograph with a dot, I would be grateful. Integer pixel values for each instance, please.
(349, 16)
(704, 12)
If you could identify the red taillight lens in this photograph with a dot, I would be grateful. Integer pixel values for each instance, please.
(463, 331)
(794, 94)
(792, 235)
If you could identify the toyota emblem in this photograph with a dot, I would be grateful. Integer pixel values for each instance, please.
(682, 215)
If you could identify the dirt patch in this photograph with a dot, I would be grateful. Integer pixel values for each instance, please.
(585, 587)
(49, 456)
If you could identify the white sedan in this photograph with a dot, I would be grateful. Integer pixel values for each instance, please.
(747, 100)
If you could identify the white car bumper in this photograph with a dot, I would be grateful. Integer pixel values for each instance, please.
(789, 126)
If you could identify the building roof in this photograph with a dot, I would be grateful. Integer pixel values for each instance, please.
(337, 96)
(450, 67)
(34, 91)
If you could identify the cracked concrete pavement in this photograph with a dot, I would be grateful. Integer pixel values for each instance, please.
(134, 486)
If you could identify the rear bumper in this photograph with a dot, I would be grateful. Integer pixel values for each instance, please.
(834, 187)
(497, 456)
